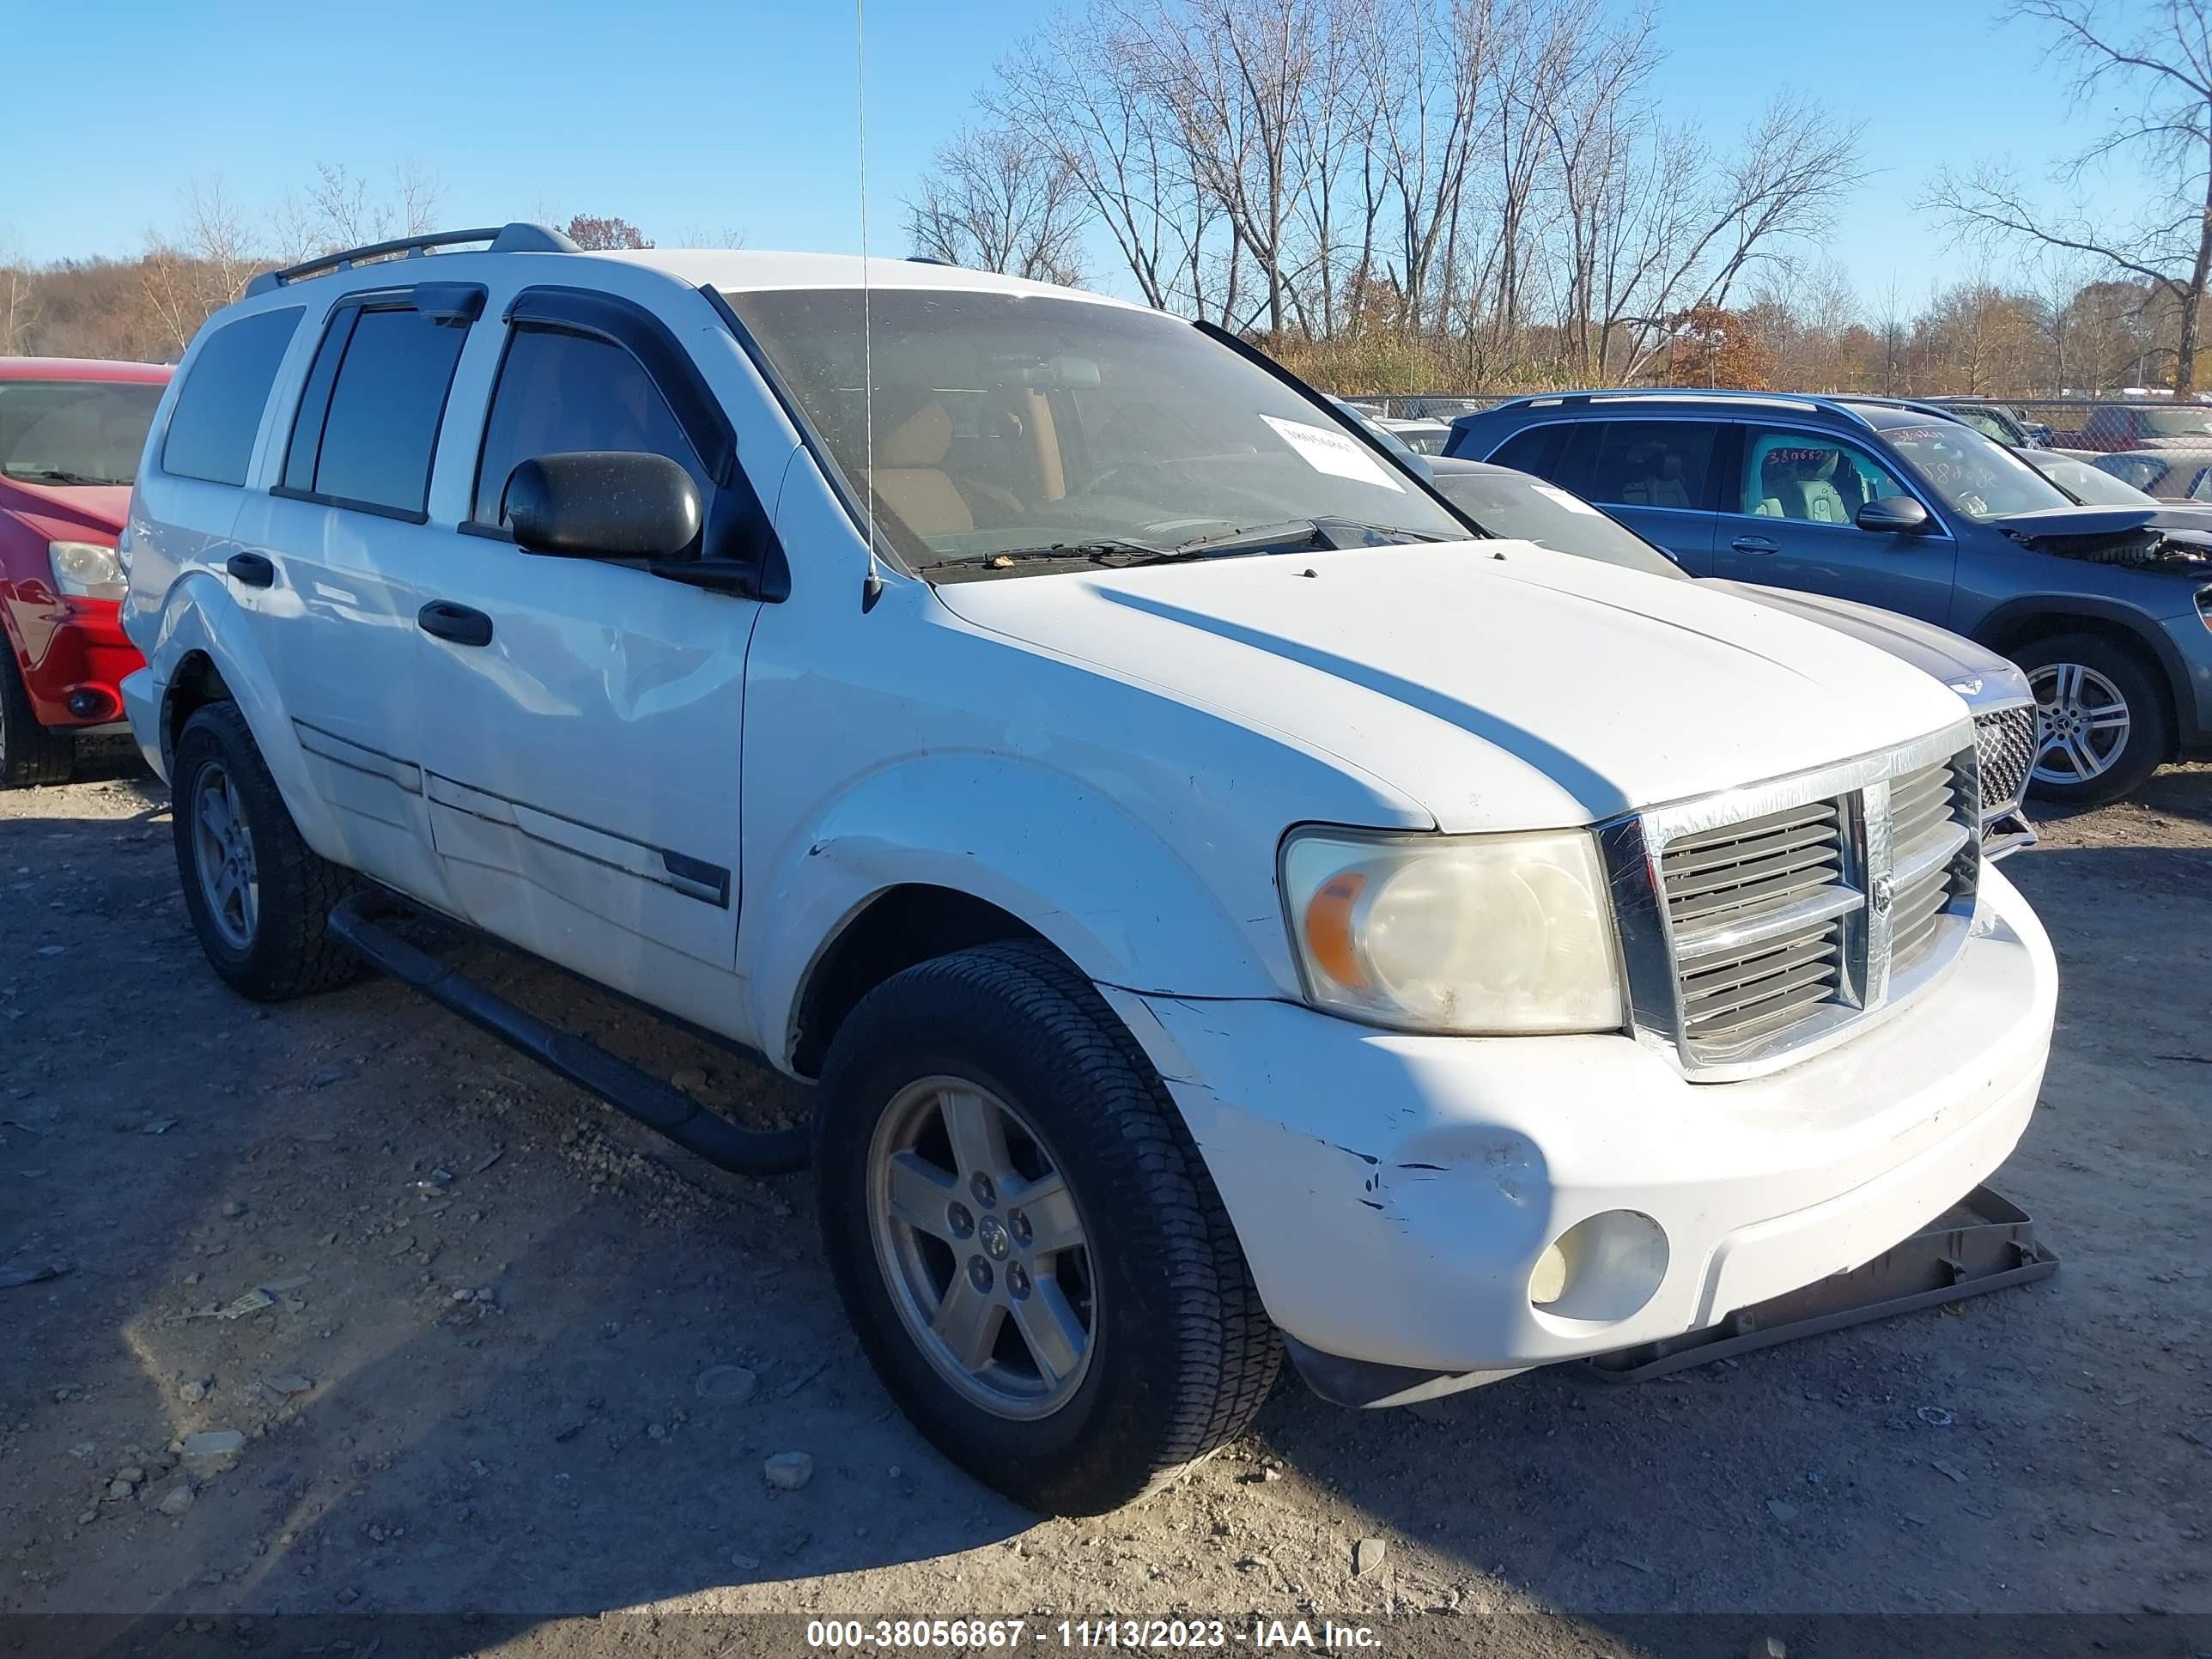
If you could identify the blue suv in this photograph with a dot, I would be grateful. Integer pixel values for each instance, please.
(2109, 609)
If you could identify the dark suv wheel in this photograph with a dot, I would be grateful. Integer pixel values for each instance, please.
(1029, 1244)
(257, 895)
(29, 753)
(2101, 719)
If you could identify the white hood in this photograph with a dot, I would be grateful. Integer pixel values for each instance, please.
(1501, 685)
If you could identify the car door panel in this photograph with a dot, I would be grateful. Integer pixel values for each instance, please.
(590, 766)
(1802, 536)
(1655, 476)
(582, 772)
(334, 581)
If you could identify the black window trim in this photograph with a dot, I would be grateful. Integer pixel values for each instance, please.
(740, 550)
(1941, 533)
(810, 437)
(298, 314)
(445, 303)
(1424, 484)
(1714, 465)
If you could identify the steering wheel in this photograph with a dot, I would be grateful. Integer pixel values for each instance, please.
(1097, 485)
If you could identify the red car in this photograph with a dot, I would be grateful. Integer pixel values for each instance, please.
(70, 431)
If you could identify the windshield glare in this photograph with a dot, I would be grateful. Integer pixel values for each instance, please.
(1009, 422)
(1973, 475)
(1515, 505)
(2091, 484)
(2178, 422)
(73, 432)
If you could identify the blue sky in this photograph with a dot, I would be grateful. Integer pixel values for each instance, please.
(682, 116)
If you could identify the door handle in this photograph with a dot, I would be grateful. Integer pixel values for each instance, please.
(252, 569)
(1754, 544)
(457, 622)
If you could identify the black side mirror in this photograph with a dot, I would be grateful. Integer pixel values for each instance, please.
(604, 504)
(1899, 515)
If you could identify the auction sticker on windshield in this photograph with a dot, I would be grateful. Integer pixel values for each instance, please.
(1333, 452)
(1572, 503)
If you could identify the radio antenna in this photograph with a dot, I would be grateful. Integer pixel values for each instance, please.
(871, 589)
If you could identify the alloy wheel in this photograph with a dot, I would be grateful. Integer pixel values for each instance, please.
(2082, 723)
(222, 848)
(982, 1247)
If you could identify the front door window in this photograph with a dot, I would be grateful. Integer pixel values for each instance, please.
(1812, 478)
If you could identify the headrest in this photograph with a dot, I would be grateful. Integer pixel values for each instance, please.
(920, 439)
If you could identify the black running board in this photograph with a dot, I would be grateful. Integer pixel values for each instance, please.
(659, 1106)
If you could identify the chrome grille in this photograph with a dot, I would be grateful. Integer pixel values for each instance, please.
(1783, 913)
(1751, 907)
(1926, 836)
(2005, 741)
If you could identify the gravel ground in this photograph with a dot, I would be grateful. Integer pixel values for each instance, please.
(465, 1342)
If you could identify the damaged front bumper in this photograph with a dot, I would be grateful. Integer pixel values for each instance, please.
(1395, 1194)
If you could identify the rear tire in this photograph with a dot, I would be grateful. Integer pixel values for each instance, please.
(30, 755)
(1154, 1349)
(2102, 724)
(258, 896)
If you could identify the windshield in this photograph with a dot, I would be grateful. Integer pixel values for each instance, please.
(1977, 477)
(1009, 423)
(2091, 485)
(1507, 503)
(1988, 425)
(73, 432)
(2175, 422)
(1424, 437)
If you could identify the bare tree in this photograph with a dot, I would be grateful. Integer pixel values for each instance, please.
(599, 231)
(2160, 79)
(201, 267)
(20, 300)
(994, 201)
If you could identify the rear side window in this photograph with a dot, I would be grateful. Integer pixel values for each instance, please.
(368, 423)
(218, 408)
(1533, 449)
(559, 391)
(1650, 462)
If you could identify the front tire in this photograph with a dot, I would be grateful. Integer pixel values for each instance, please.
(2102, 727)
(30, 755)
(1031, 1250)
(258, 896)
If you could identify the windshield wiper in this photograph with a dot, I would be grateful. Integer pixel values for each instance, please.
(55, 475)
(1287, 531)
(1122, 552)
(1097, 550)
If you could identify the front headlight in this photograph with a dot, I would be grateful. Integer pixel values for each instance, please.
(1467, 934)
(86, 570)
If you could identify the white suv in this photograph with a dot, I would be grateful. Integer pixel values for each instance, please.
(1227, 901)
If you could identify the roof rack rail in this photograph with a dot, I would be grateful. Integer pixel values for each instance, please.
(515, 238)
(1698, 394)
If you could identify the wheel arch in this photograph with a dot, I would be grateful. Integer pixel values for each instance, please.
(895, 929)
(944, 851)
(205, 652)
(2012, 629)
(194, 683)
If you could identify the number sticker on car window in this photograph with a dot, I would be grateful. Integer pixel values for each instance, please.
(1333, 452)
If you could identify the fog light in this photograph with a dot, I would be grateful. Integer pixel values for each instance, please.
(1603, 1268)
(1550, 1278)
(90, 702)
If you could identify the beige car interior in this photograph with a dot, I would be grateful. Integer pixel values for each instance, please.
(939, 483)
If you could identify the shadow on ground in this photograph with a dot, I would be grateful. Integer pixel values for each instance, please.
(515, 1312)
